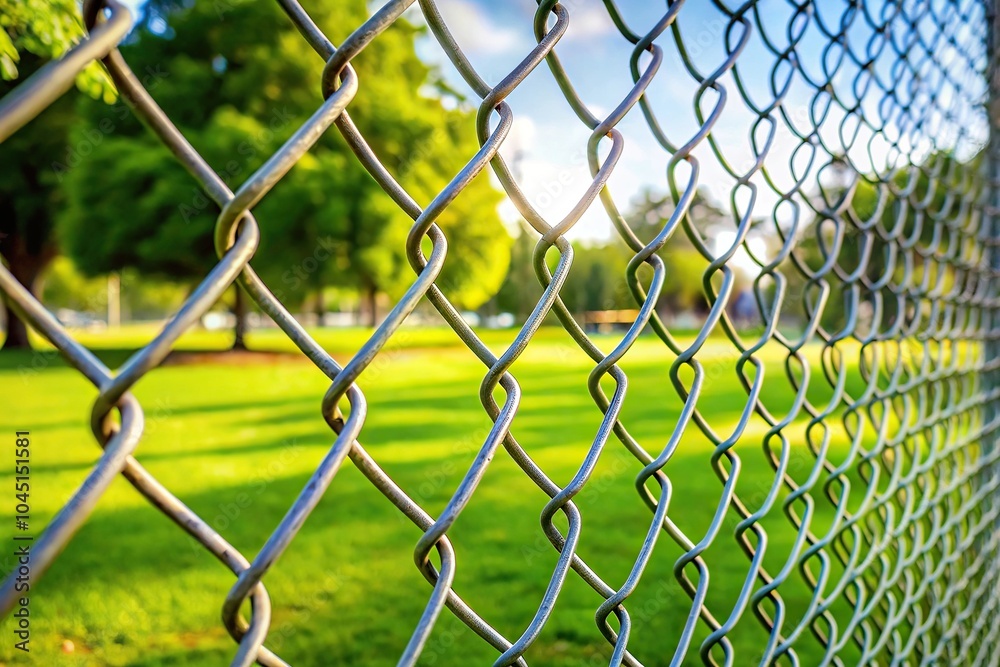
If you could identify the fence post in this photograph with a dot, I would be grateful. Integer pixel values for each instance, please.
(992, 210)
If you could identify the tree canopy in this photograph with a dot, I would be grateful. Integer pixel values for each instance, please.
(597, 278)
(237, 85)
(31, 34)
(866, 221)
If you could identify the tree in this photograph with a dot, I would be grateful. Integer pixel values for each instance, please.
(685, 265)
(32, 34)
(598, 277)
(908, 205)
(237, 87)
(596, 280)
(520, 290)
(64, 287)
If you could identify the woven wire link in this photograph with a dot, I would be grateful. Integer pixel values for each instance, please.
(905, 569)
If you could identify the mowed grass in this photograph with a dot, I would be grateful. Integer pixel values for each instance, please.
(237, 442)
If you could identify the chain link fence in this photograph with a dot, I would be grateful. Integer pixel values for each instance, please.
(874, 174)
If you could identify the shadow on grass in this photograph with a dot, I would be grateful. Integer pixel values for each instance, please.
(357, 551)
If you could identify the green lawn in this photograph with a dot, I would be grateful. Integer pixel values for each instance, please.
(132, 589)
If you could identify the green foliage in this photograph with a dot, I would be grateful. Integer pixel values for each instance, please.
(598, 278)
(479, 246)
(238, 80)
(34, 32)
(63, 286)
(520, 290)
(910, 207)
(46, 29)
(685, 266)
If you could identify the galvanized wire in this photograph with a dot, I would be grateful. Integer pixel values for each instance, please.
(912, 549)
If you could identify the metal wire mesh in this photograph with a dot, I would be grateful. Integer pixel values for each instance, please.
(896, 541)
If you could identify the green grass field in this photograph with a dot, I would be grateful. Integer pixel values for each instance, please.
(132, 589)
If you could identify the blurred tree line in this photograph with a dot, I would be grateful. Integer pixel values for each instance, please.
(237, 79)
(32, 34)
(875, 250)
(86, 179)
(869, 251)
(597, 278)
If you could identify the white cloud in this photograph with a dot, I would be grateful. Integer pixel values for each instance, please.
(587, 18)
(481, 33)
(588, 22)
(523, 133)
(553, 187)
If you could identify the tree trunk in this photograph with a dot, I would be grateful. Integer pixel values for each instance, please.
(26, 267)
(17, 333)
(240, 309)
(320, 306)
(371, 299)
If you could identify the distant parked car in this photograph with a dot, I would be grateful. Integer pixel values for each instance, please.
(501, 321)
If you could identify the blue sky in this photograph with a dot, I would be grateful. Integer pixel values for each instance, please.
(551, 140)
